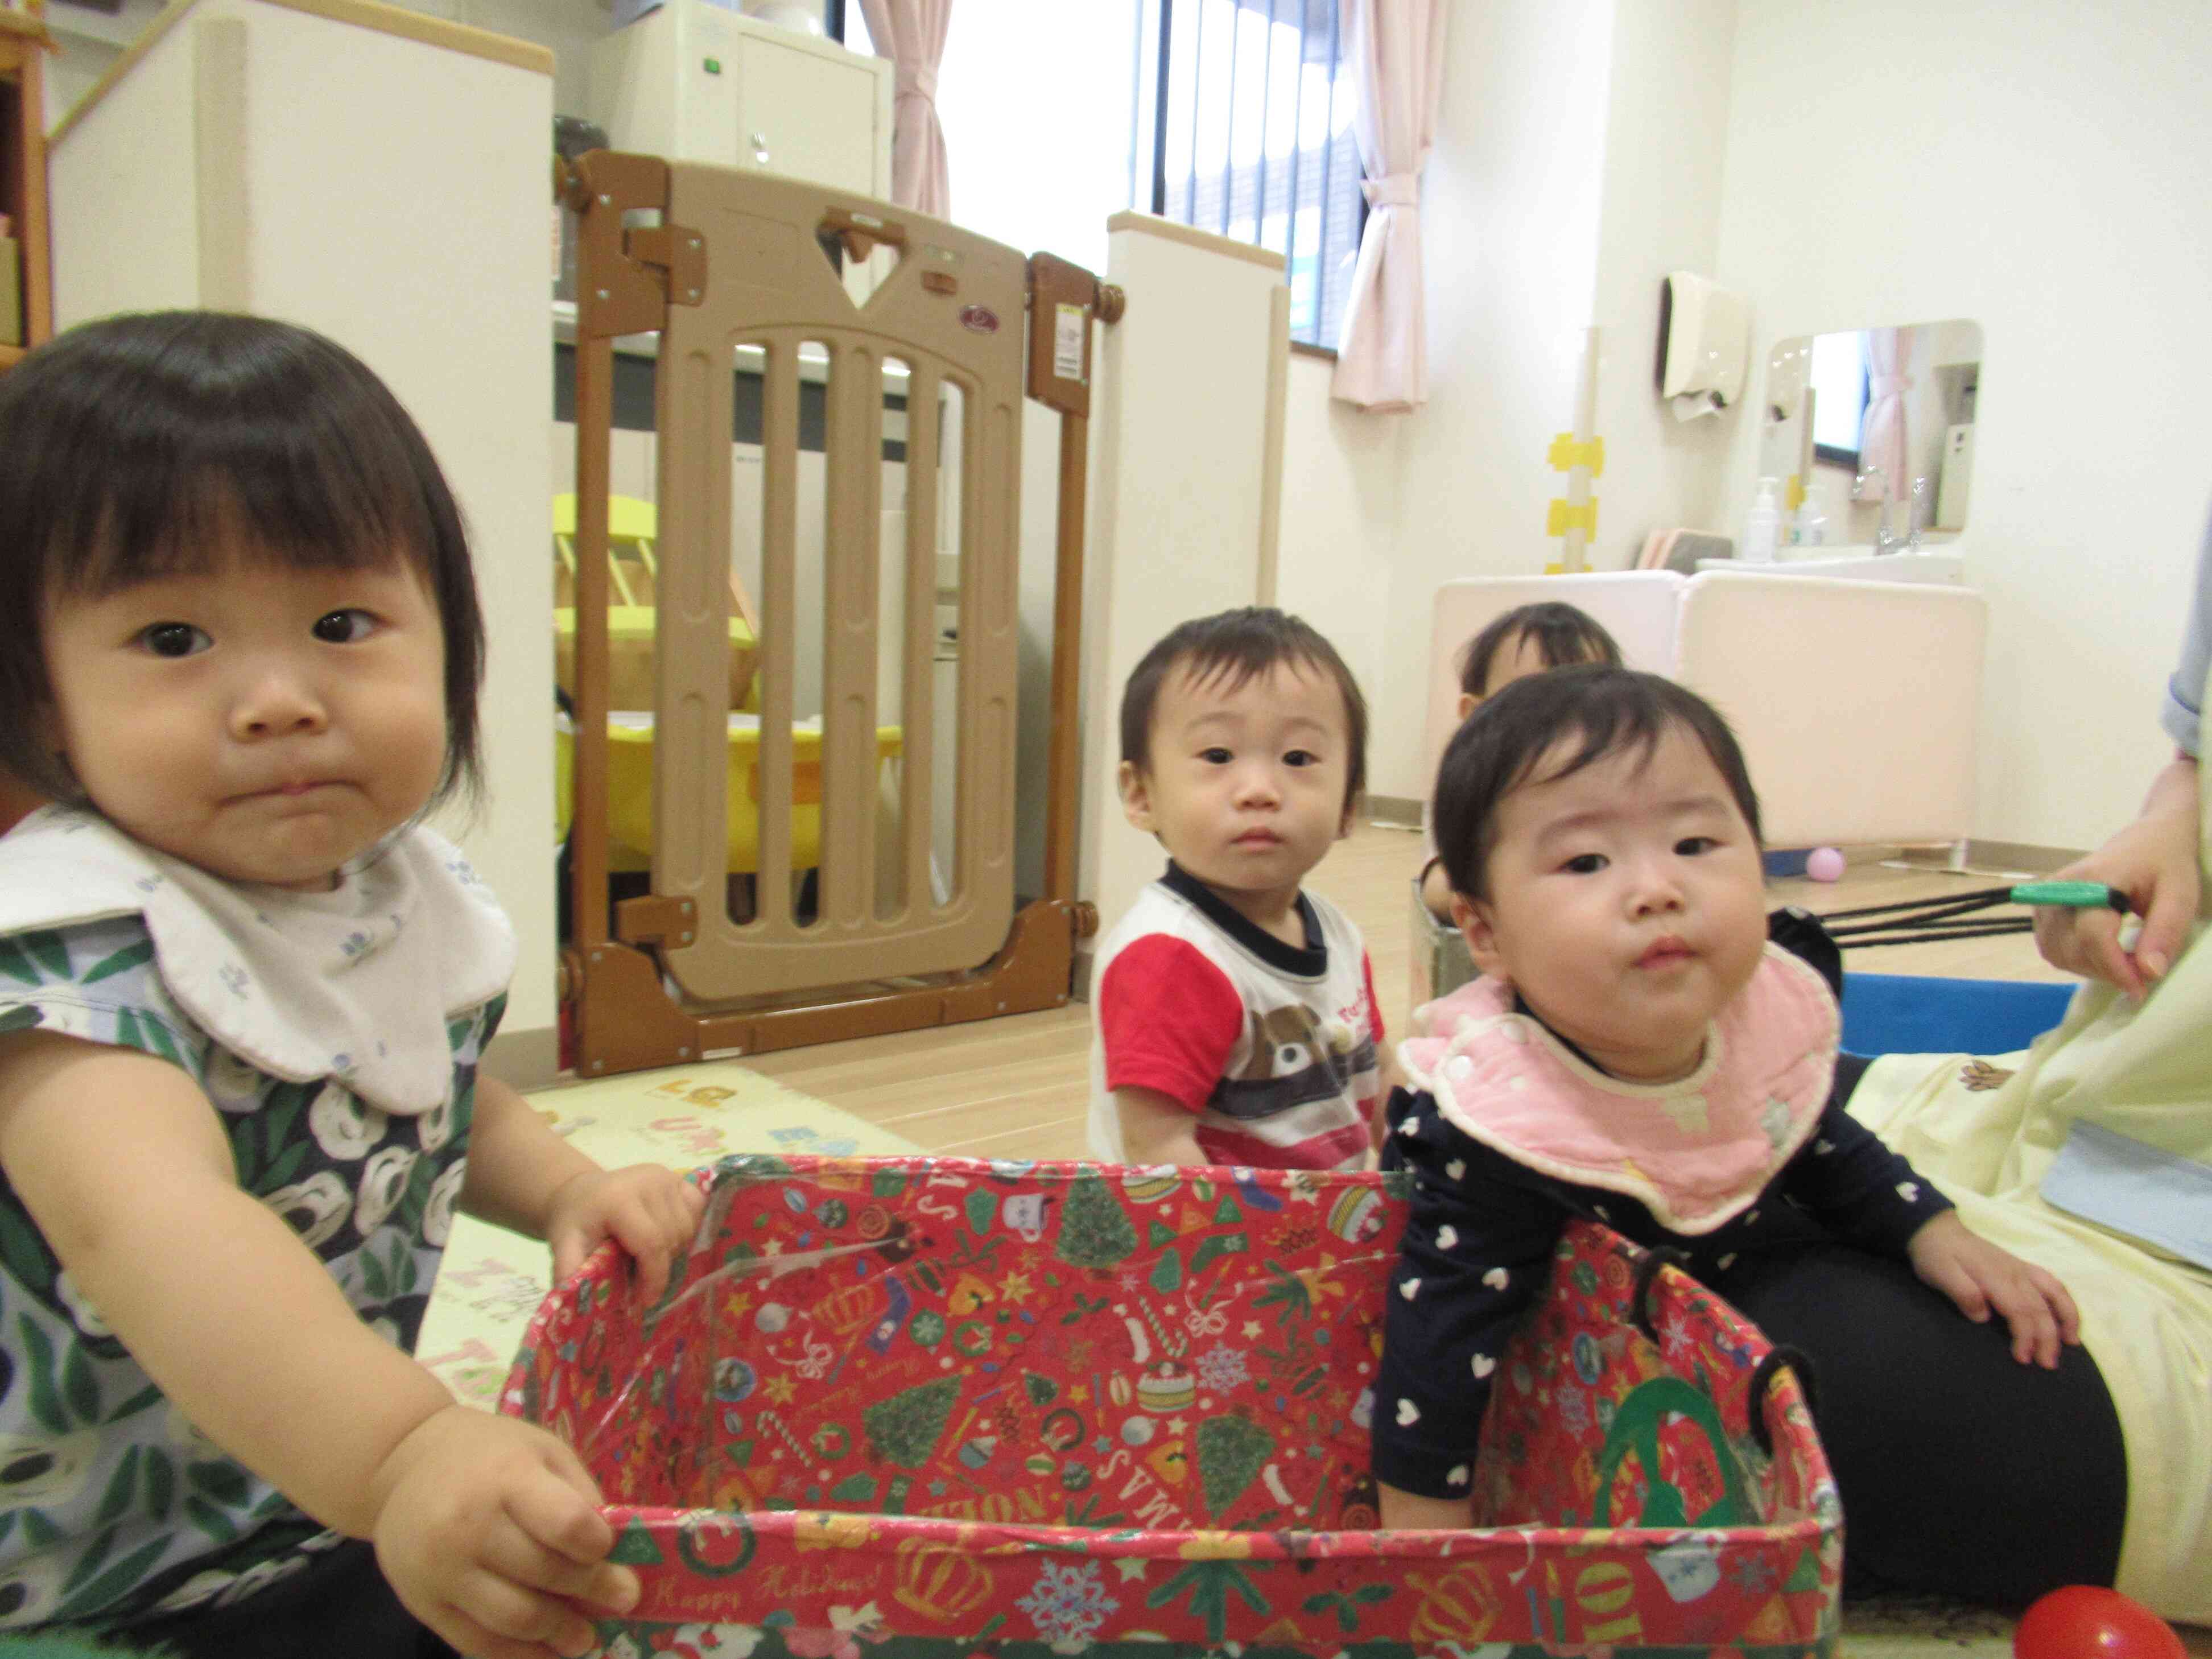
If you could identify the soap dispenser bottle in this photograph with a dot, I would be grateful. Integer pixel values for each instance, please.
(1760, 528)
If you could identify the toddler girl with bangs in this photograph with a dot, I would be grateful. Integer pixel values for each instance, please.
(244, 997)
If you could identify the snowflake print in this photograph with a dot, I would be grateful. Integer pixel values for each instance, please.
(1068, 1603)
(1754, 1573)
(1573, 1408)
(1222, 1368)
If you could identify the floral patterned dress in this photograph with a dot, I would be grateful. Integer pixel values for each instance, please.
(112, 1506)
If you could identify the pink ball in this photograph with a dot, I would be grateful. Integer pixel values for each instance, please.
(1825, 864)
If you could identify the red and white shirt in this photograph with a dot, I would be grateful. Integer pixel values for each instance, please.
(1272, 1047)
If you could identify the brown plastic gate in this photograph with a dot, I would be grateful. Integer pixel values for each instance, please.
(738, 258)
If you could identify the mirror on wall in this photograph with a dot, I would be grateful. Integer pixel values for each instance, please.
(1871, 431)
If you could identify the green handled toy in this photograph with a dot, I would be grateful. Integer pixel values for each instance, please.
(2072, 896)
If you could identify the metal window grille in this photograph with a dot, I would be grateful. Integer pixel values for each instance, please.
(1243, 127)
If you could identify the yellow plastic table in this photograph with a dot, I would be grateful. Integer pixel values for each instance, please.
(629, 658)
(629, 789)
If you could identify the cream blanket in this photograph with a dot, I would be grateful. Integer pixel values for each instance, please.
(1986, 1129)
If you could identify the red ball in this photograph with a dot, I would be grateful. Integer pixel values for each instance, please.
(2084, 1622)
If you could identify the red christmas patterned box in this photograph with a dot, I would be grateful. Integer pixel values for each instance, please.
(909, 1408)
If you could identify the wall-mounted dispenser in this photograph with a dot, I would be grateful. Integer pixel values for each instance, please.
(1705, 342)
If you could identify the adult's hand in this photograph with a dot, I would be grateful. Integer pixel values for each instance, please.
(2154, 862)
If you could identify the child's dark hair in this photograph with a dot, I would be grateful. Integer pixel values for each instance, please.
(139, 446)
(1237, 645)
(1563, 635)
(1499, 746)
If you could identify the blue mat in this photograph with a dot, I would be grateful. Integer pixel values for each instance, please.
(1910, 1014)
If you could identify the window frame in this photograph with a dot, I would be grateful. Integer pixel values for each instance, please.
(1163, 75)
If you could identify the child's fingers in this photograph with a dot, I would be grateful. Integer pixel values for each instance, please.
(524, 1615)
(655, 1227)
(2060, 1302)
(2035, 1327)
(572, 1247)
(511, 1553)
(653, 1239)
(1963, 1288)
(566, 1634)
(561, 1511)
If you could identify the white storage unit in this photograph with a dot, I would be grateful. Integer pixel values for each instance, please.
(695, 81)
(378, 175)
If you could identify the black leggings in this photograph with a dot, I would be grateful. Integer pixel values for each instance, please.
(337, 1607)
(1963, 1473)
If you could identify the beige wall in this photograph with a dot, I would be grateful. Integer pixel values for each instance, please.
(1175, 518)
(1665, 137)
(441, 292)
(1337, 549)
(2039, 170)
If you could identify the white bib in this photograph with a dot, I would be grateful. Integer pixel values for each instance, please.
(357, 983)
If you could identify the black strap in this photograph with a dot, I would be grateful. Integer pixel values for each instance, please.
(1762, 1377)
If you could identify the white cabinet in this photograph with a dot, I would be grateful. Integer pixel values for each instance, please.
(693, 81)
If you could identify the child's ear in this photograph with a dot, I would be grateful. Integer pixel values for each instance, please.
(1136, 797)
(1479, 928)
(1469, 703)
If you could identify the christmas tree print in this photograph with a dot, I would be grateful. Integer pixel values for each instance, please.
(1231, 1451)
(1094, 1228)
(904, 1428)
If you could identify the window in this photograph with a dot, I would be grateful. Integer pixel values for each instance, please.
(1243, 127)
(1839, 376)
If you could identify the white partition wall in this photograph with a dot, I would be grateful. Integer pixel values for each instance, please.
(1854, 701)
(379, 176)
(1189, 401)
(1857, 704)
(1637, 607)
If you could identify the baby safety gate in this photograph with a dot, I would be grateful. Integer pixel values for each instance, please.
(727, 265)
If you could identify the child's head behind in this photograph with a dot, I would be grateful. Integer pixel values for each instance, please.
(1243, 748)
(1528, 640)
(1601, 836)
(145, 447)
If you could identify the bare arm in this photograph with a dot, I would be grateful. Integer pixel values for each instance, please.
(1387, 1080)
(484, 1525)
(1411, 1509)
(524, 1177)
(516, 1163)
(124, 1167)
(1158, 1128)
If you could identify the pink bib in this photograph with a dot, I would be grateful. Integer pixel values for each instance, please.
(1695, 1152)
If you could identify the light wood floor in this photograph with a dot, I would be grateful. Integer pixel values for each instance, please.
(1020, 1087)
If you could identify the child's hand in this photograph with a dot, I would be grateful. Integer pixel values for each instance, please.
(1979, 1276)
(489, 1531)
(649, 1211)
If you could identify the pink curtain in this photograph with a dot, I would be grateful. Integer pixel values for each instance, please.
(1394, 52)
(911, 34)
(1881, 433)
